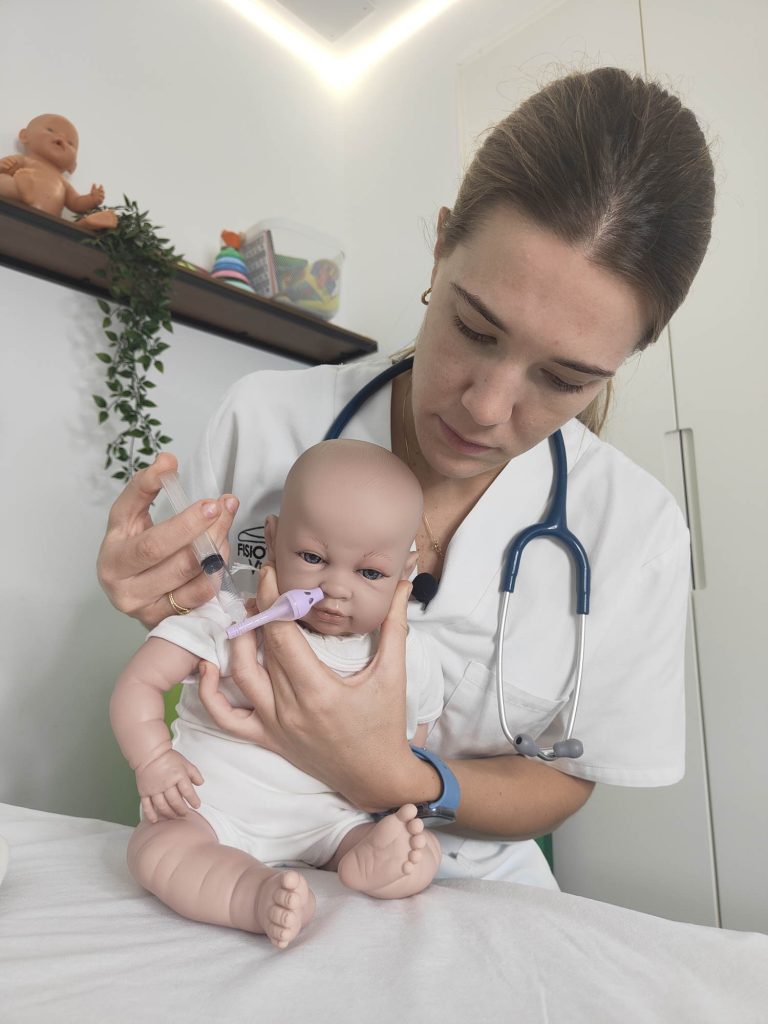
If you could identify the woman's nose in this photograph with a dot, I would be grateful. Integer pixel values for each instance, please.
(490, 400)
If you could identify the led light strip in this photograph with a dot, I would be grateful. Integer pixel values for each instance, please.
(339, 72)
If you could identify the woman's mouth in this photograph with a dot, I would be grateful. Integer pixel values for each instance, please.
(461, 444)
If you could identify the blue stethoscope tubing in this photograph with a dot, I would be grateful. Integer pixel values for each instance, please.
(553, 525)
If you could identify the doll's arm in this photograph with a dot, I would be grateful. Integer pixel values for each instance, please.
(84, 203)
(163, 776)
(11, 164)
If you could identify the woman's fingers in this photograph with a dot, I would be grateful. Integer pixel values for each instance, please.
(140, 563)
(241, 722)
(154, 544)
(394, 630)
(287, 655)
(133, 502)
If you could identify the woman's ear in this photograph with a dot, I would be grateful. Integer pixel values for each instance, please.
(442, 217)
(270, 536)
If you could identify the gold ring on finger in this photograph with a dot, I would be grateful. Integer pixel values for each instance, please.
(178, 608)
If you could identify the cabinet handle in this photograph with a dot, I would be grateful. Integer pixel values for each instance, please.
(685, 455)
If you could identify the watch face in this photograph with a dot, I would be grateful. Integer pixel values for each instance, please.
(436, 817)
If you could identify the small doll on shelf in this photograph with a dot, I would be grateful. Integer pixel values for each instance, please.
(37, 177)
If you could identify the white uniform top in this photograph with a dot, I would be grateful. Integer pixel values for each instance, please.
(631, 714)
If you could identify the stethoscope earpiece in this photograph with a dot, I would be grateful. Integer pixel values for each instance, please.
(563, 748)
(527, 746)
(568, 748)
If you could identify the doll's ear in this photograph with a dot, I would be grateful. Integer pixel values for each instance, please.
(410, 565)
(23, 136)
(270, 535)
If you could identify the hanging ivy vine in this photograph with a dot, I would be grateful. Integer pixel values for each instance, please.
(138, 277)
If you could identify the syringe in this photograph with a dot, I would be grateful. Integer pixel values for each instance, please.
(213, 565)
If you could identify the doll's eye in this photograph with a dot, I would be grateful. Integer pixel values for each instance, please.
(311, 557)
(371, 574)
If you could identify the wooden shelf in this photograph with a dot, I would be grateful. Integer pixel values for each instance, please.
(52, 248)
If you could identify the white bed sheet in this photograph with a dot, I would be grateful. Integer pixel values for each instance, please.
(80, 942)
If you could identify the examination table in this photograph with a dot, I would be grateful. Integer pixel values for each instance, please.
(81, 942)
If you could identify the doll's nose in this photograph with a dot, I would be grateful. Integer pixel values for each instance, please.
(334, 586)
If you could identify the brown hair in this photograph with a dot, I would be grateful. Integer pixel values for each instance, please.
(612, 164)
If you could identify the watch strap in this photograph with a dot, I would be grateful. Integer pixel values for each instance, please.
(441, 811)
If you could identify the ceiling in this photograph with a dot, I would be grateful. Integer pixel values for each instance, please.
(342, 22)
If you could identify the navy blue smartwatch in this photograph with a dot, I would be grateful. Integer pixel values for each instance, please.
(443, 810)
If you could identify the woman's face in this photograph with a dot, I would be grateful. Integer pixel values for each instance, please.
(521, 333)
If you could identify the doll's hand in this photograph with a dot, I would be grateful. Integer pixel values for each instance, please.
(97, 194)
(165, 786)
(9, 165)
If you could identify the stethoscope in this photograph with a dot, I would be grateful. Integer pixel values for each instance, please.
(553, 525)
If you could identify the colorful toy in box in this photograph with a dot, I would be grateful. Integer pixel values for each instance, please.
(229, 265)
(313, 287)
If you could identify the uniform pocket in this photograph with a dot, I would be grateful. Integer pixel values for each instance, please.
(469, 725)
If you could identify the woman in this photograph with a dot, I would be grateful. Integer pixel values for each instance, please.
(576, 234)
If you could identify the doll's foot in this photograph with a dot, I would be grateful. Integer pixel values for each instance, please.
(284, 904)
(100, 221)
(396, 858)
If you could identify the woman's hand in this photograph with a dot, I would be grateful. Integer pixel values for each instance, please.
(140, 563)
(350, 733)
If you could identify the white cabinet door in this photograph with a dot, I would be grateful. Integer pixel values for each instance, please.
(715, 55)
(645, 849)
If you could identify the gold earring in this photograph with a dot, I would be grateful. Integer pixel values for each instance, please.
(425, 296)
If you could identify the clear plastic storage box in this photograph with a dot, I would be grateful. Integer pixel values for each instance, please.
(295, 264)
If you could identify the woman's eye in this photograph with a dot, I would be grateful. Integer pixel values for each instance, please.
(484, 339)
(562, 385)
(311, 557)
(371, 574)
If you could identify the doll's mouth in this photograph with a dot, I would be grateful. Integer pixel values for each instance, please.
(328, 614)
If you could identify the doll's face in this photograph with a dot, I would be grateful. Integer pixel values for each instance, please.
(52, 138)
(347, 527)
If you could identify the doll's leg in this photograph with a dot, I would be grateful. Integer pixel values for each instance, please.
(25, 183)
(182, 863)
(393, 858)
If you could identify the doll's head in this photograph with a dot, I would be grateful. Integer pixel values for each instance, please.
(349, 513)
(52, 138)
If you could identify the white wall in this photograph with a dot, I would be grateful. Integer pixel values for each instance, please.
(62, 641)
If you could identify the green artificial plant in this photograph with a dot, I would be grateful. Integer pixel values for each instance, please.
(138, 277)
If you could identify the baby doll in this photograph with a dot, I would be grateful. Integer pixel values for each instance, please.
(37, 178)
(350, 511)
